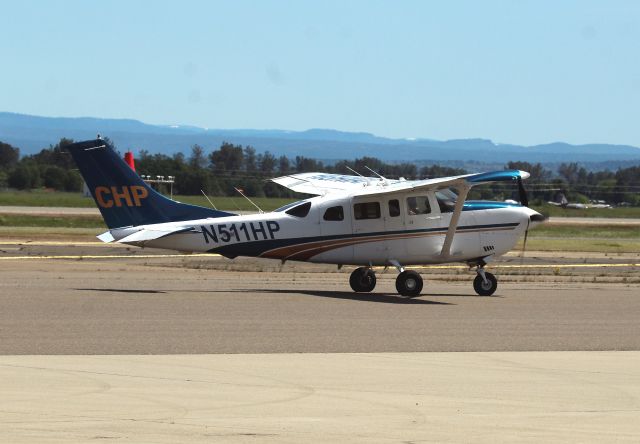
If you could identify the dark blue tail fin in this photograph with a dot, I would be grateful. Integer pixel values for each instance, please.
(122, 197)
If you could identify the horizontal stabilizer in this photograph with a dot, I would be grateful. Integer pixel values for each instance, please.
(152, 234)
(106, 237)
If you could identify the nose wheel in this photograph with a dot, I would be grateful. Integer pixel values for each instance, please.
(485, 284)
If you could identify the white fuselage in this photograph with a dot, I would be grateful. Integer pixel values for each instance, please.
(408, 228)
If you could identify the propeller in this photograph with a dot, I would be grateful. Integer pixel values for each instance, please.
(524, 243)
(524, 200)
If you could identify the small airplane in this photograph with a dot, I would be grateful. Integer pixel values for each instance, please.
(351, 220)
(561, 201)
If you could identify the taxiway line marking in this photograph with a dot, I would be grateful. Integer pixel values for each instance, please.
(463, 267)
(108, 256)
(425, 267)
(52, 243)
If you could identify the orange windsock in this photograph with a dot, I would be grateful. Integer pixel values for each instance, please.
(128, 158)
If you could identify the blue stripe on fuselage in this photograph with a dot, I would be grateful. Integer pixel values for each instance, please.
(475, 205)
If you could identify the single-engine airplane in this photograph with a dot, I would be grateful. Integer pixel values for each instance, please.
(351, 220)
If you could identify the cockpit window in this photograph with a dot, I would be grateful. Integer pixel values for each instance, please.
(287, 206)
(446, 200)
(300, 211)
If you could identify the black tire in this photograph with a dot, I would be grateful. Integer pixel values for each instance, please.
(488, 288)
(362, 280)
(409, 283)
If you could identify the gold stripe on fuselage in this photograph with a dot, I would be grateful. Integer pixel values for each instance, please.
(305, 251)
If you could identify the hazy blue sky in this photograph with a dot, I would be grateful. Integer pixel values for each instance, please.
(523, 72)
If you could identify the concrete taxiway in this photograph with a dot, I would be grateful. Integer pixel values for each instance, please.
(100, 342)
(165, 305)
(293, 398)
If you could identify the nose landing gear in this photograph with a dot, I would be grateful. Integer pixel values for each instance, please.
(485, 284)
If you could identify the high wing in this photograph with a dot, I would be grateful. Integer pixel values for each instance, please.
(319, 184)
(323, 183)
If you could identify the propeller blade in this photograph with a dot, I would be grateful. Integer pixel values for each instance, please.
(524, 243)
(524, 200)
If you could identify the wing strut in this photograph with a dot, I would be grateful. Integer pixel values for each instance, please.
(455, 217)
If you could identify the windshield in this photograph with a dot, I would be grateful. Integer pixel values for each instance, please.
(447, 193)
(446, 200)
(289, 205)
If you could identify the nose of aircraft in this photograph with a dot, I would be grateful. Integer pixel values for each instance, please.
(536, 218)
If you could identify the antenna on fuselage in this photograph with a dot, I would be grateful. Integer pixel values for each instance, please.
(207, 197)
(353, 171)
(250, 201)
(376, 173)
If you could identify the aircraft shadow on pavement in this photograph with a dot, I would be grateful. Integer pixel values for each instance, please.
(458, 295)
(364, 297)
(122, 290)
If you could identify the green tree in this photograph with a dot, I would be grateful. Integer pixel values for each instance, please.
(197, 160)
(284, 166)
(250, 160)
(73, 181)
(9, 156)
(56, 155)
(24, 177)
(54, 177)
(228, 158)
(267, 162)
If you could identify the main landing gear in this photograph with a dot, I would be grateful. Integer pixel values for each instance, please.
(409, 283)
(363, 280)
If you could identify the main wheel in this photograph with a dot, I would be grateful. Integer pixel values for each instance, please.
(362, 280)
(409, 283)
(485, 288)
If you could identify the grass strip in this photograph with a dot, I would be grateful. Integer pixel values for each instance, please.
(23, 220)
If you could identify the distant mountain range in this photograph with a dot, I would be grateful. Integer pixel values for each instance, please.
(32, 133)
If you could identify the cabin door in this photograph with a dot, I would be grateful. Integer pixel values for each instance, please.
(394, 213)
(426, 227)
(368, 231)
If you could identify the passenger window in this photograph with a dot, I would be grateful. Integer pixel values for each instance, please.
(418, 205)
(366, 210)
(300, 211)
(394, 208)
(334, 213)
